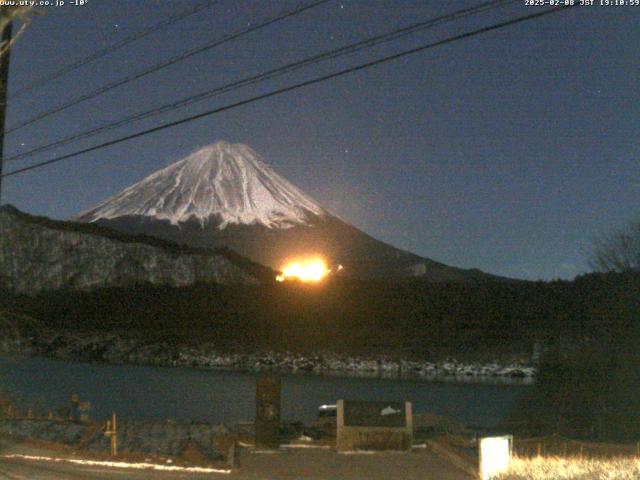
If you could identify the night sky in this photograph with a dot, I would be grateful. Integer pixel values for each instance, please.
(507, 152)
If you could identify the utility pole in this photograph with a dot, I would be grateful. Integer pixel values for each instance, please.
(4, 83)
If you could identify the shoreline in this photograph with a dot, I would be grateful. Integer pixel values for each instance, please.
(119, 350)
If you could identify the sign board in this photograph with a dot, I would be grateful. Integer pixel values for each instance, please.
(84, 408)
(495, 455)
(363, 425)
(374, 414)
(268, 412)
(75, 404)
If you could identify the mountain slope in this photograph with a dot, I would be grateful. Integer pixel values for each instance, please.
(225, 195)
(39, 254)
(226, 181)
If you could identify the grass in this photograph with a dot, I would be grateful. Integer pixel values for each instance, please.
(572, 468)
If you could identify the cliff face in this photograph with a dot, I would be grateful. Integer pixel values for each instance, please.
(38, 254)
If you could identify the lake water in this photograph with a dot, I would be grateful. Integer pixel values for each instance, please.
(186, 394)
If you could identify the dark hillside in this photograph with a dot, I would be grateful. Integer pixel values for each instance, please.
(410, 318)
(259, 271)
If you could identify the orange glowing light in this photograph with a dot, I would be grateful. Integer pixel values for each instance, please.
(312, 270)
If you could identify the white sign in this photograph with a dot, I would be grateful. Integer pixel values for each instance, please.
(495, 453)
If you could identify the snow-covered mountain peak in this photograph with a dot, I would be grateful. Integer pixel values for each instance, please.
(228, 182)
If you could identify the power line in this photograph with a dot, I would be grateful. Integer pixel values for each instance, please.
(296, 86)
(111, 48)
(268, 75)
(171, 61)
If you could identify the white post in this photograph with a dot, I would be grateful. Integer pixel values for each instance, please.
(112, 432)
(114, 436)
(495, 455)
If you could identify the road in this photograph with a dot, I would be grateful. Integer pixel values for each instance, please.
(285, 464)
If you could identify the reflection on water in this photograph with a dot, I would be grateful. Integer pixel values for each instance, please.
(185, 394)
(420, 377)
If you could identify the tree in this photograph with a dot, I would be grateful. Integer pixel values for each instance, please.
(618, 252)
(8, 14)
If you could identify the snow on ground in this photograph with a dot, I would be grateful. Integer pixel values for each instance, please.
(127, 465)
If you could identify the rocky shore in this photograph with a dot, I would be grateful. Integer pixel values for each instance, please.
(161, 442)
(118, 349)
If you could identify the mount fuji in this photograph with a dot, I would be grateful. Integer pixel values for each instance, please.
(226, 195)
